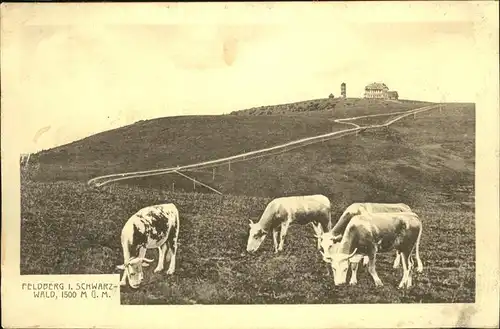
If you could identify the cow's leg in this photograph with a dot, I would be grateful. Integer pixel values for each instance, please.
(410, 270)
(354, 271)
(397, 259)
(142, 254)
(284, 229)
(372, 271)
(404, 262)
(161, 258)
(329, 271)
(123, 281)
(276, 233)
(366, 259)
(172, 250)
(317, 233)
(126, 258)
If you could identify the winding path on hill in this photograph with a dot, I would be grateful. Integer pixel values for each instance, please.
(102, 180)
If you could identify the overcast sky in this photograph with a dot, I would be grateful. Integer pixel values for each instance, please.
(75, 76)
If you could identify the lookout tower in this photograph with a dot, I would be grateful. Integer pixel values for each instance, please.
(342, 90)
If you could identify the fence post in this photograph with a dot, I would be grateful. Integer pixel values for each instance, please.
(194, 185)
(27, 160)
(213, 173)
(173, 187)
(414, 115)
(229, 165)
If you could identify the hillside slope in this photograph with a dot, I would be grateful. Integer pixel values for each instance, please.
(334, 107)
(413, 160)
(173, 141)
(68, 227)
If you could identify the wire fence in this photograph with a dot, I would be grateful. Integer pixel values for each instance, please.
(265, 152)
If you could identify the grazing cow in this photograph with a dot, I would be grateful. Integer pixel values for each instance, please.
(369, 233)
(151, 227)
(365, 207)
(281, 212)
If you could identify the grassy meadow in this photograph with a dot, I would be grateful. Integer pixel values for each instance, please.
(68, 227)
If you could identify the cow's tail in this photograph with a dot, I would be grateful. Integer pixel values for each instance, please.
(420, 267)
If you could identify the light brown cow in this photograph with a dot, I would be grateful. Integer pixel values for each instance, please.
(280, 213)
(370, 233)
(361, 208)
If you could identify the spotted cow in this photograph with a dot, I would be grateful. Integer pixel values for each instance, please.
(151, 227)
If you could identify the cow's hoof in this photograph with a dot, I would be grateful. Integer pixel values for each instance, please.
(379, 284)
(157, 270)
(353, 283)
(170, 271)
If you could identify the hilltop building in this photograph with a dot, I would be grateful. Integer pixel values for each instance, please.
(376, 90)
(393, 94)
(379, 90)
(343, 90)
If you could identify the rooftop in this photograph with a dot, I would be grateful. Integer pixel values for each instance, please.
(376, 85)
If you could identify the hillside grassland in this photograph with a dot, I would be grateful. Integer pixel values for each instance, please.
(173, 141)
(68, 227)
(337, 107)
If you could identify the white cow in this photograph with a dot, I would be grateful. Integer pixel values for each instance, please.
(151, 227)
(280, 213)
(365, 207)
(369, 233)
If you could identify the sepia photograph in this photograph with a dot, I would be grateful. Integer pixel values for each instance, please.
(313, 157)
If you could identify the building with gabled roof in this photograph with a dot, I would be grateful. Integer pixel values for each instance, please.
(379, 90)
(376, 90)
(392, 94)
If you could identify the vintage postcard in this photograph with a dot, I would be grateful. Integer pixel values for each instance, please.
(250, 165)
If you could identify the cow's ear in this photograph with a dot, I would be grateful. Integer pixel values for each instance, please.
(120, 267)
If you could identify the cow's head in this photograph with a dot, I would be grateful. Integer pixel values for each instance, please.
(133, 270)
(326, 243)
(255, 237)
(340, 264)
